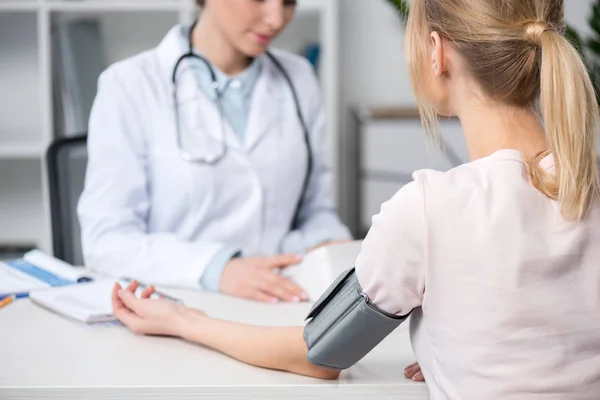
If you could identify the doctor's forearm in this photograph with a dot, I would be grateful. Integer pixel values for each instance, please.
(279, 348)
(158, 258)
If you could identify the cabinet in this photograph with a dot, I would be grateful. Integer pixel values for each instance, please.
(391, 145)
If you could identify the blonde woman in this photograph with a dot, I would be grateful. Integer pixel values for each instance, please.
(498, 259)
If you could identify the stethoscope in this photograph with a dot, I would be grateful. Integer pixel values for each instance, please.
(188, 156)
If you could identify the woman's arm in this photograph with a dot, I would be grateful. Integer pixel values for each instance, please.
(280, 348)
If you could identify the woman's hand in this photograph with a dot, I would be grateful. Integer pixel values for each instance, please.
(147, 316)
(413, 372)
(280, 348)
(256, 278)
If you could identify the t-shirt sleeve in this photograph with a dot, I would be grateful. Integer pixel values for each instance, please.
(391, 265)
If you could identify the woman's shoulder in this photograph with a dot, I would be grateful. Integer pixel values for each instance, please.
(497, 166)
(500, 179)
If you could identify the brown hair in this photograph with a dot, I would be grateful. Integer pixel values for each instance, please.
(200, 2)
(517, 52)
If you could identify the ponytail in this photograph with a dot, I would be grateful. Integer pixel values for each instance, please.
(515, 50)
(570, 113)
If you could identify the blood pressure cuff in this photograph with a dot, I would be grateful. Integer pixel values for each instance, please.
(345, 325)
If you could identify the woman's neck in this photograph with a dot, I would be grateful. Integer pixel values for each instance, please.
(491, 127)
(209, 41)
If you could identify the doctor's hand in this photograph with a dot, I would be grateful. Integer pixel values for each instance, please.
(256, 278)
(413, 372)
(146, 316)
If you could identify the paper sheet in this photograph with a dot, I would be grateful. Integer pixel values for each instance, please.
(13, 281)
(319, 268)
(84, 302)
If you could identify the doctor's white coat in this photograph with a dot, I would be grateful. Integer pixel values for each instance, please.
(147, 214)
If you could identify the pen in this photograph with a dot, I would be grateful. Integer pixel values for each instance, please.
(7, 300)
(15, 295)
(143, 286)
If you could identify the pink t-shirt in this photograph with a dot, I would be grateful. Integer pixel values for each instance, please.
(507, 292)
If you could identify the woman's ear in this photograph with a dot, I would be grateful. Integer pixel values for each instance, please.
(438, 62)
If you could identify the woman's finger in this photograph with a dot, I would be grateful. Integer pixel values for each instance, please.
(130, 301)
(149, 291)
(116, 300)
(115, 291)
(120, 310)
(133, 286)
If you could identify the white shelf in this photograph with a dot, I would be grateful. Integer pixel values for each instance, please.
(304, 28)
(18, 6)
(21, 212)
(114, 6)
(313, 5)
(22, 150)
(303, 5)
(20, 81)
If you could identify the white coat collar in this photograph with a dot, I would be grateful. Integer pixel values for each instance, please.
(266, 108)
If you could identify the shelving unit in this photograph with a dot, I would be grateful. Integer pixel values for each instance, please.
(391, 146)
(127, 27)
(18, 5)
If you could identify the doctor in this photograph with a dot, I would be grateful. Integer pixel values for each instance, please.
(206, 165)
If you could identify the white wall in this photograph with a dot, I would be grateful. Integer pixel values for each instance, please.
(372, 59)
(577, 13)
(373, 70)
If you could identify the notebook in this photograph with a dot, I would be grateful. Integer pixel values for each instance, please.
(37, 270)
(320, 267)
(88, 303)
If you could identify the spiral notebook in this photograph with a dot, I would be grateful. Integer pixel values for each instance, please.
(320, 267)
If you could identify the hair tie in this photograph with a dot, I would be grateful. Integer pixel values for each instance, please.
(535, 30)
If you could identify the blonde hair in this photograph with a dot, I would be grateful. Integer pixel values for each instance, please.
(517, 52)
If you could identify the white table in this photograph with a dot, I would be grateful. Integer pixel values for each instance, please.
(43, 355)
